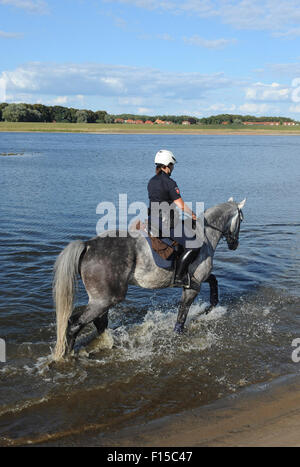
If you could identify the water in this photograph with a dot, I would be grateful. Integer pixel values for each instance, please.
(139, 371)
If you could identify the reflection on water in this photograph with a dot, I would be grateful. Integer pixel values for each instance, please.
(139, 370)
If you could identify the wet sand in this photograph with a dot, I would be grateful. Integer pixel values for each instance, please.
(264, 416)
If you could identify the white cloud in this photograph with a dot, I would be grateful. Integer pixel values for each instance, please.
(220, 107)
(10, 35)
(115, 88)
(209, 44)
(144, 111)
(60, 100)
(294, 108)
(268, 92)
(201, 7)
(111, 80)
(289, 34)
(251, 108)
(240, 14)
(130, 101)
(162, 37)
(120, 89)
(291, 69)
(32, 6)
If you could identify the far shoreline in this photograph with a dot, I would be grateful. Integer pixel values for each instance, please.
(122, 129)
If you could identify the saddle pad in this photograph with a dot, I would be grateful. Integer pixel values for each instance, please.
(159, 261)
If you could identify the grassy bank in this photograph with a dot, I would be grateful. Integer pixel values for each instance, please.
(101, 128)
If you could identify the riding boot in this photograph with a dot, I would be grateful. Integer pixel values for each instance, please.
(182, 278)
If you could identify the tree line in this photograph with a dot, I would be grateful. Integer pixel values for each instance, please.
(56, 113)
(238, 119)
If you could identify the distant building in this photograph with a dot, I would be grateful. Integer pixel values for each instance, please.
(119, 120)
(129, 121)
(288, 123)
(159, 122)
(139, 122)
(225, 123)
(186, 122)
(149, 122)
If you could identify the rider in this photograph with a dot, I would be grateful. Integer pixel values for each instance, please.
(162, 188)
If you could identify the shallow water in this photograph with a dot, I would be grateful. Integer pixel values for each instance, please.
(139, 370)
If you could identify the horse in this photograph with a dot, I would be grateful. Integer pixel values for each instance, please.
(107, 265)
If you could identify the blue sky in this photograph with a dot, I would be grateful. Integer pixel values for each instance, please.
(192, 57)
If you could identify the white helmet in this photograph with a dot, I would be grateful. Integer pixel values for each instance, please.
(164, 157)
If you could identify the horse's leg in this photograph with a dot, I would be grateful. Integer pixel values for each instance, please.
(214, 294)
(73, 328)
(187, 298)
(95, 312)
(101, 323)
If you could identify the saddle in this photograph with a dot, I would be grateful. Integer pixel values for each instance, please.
(163, 249)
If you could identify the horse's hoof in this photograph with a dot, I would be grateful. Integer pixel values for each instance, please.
(208, 310)
(178, 328)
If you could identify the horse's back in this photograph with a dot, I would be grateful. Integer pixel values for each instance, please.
(107, 265)
(112, 246)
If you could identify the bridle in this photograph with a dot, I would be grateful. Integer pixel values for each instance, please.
(230, 237)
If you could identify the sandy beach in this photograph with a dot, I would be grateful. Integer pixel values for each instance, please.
(267, 415)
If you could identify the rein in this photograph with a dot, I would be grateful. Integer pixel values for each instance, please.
(225, 234)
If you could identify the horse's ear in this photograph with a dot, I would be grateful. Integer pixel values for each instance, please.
(242, 204)
(230, 199)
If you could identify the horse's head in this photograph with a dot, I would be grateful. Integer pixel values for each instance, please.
(233, 226)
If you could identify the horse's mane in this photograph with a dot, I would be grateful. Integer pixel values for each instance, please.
(218, 210)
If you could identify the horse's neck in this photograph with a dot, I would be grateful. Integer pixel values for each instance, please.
(216, 221)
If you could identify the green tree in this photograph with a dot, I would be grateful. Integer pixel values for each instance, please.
(45, 112)
(82, 116)
(237, 121)
(109, 118)
(15, 113)
(100, 116)
(61, 114)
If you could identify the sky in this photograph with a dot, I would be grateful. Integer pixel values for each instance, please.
(153, 57)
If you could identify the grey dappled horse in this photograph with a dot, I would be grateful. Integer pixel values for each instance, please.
(107, 265)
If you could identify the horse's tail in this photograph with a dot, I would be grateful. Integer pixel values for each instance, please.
(66, 270)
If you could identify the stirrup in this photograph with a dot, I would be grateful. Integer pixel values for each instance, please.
(185, 281)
